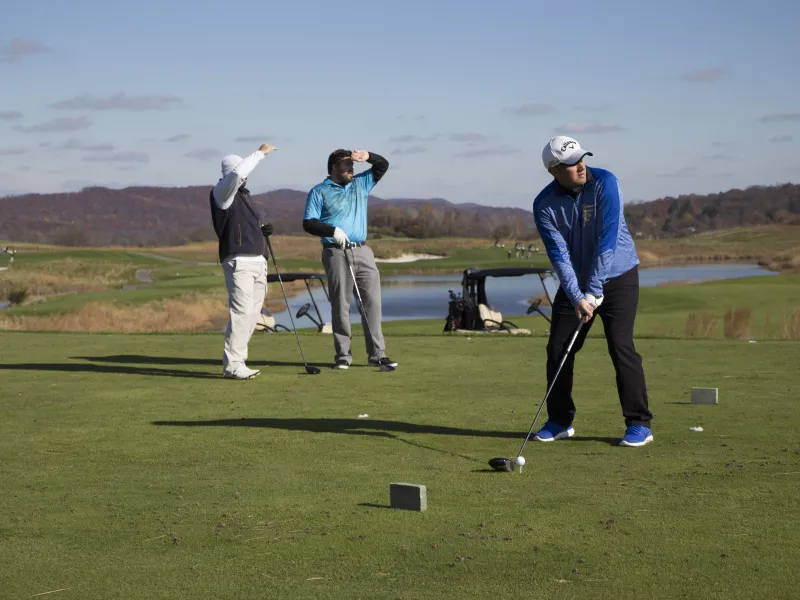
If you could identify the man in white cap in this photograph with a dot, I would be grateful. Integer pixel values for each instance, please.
(242, 250)
(580, 218)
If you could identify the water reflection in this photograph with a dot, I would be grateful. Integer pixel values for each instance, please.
(407, 297)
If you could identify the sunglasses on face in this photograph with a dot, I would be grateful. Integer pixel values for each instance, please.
(346, 165)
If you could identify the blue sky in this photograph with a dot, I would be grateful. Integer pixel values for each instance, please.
(460, 96)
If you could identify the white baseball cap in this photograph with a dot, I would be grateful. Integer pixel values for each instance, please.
(229, 163)
(562, 149)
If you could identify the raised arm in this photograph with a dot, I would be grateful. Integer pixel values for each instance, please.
(225, 190)
(368, 179)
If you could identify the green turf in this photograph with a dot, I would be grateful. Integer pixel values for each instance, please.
(130, 470)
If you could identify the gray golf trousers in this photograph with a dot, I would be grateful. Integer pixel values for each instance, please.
(341, 290)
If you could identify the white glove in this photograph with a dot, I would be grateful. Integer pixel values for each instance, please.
(595, 302)
(340, 237)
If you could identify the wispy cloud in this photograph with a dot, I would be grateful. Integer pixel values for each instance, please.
(780, 117)
(705, 75)
(410, 150)
(491, 151)
(468, 138)
(12, 151)
(781, 139)
(593, 107)
(19, 48)
(725, 157)
(271, 139)
(121, 101)
(723, 144)
(119, 157)
(416, 118)
(589, 128)
(76, 144)
(529, 110)
(411, 139)
(10, 115)
(178, 138)
(204, 154)
(683, 173)
(62, 124)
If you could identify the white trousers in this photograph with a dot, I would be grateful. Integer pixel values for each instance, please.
(246, 281)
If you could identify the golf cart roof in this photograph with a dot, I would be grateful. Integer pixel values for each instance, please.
(273, 277)
(504, 272)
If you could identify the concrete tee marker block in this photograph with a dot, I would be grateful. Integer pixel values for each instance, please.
(705, 396)
(408, 496)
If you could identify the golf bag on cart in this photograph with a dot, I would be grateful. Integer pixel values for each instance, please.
(461, 313)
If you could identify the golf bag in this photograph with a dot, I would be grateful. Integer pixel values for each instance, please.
(461, 313)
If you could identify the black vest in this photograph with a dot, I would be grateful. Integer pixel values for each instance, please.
(239, 227)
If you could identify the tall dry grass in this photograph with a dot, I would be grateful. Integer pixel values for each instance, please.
(65, 276)
(791, 325)
(193, 312)
(787, 261)
(736, 323)
(701, 325)
(190, 313)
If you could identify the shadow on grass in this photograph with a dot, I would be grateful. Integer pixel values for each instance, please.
(611, 441)
(348, 426)
(372, 505)
(140, 359)
(116, 369)
(368, 427)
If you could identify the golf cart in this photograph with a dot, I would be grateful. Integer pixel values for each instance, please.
(471, 312)
(267, 322)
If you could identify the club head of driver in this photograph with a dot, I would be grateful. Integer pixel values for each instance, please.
(504, 465)
(313, 370)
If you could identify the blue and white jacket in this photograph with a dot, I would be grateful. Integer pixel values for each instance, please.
(585, 237)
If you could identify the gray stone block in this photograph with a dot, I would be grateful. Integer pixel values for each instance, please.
(705, 396)
(408, 496)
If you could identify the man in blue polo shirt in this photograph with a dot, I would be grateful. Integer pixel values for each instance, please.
(580, 219)
(336, 211)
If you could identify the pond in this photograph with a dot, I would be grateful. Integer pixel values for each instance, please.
(425, 296)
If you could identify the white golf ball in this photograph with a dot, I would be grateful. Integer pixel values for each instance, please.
(520, 460)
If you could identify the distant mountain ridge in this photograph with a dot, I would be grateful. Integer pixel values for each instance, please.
(153, 216)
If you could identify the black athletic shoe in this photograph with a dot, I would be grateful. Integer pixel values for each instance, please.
(383, 362)
(342, 364)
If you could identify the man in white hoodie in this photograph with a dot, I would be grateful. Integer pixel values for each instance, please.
(242, 250)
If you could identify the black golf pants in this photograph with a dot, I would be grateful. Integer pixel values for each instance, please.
(618, 312)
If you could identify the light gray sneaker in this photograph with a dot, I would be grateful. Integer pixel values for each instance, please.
(241, 373)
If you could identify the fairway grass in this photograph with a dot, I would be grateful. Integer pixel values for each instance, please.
(130, 469)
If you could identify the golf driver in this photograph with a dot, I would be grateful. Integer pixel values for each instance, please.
(309, 369)
(506, 464)
(361, 308)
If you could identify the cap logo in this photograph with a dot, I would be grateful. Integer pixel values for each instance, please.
(566, 145)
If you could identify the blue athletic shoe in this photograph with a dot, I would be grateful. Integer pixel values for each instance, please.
(637, 435)
(553, 431)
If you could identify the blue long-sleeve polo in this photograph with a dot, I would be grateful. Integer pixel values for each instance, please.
(586, 237)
